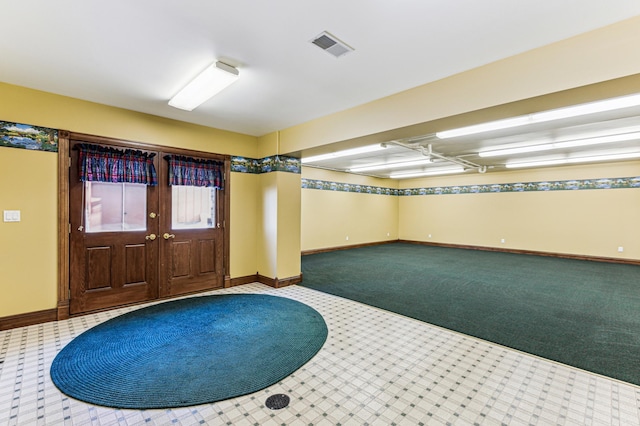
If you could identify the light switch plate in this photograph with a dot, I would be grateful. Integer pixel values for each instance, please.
(12, 215)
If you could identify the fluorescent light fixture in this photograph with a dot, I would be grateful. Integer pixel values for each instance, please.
(600, 140)
(209, 82)
(545, 116)
(433, 172)
(573, 160)
(344, 153)
(562, 144)
(486, 127)
(517, 150)
(391, 165)
(536, 163)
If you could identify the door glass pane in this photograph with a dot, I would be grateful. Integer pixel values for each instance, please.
(193, 207)
(111, 207)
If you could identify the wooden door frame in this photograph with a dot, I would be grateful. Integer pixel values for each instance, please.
(64, 224)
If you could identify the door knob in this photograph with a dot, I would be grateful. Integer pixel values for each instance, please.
(150, 237)
(166, 236)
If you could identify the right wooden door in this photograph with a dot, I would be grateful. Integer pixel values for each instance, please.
(191, 239)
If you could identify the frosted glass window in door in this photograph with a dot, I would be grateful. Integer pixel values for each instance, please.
(111, 207)
(193, 207)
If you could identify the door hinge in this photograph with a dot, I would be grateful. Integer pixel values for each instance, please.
(69, 228)
(69, 162)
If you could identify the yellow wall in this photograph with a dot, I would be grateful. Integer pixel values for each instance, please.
(278, 236)
(578, 222)
(59, 112)
(582, 222)
(28, 248)
(26, 288)
(289, 211)
(267, 235)
(244, 223)
(269, 145)
(329, 217)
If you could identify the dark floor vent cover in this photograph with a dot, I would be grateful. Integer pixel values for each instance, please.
(277, 402)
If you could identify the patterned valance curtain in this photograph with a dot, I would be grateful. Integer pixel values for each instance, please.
(190, 171)
(105, 164)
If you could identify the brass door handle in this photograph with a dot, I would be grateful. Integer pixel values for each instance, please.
(166, 236)
(150, 237)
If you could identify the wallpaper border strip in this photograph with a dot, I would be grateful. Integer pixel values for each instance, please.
(35, 138)
(28, 136)
(347, 187)
(276, 163)
(558, 185)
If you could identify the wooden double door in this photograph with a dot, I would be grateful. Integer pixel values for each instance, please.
(132, 243)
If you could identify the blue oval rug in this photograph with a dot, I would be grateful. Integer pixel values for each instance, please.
(189, 351)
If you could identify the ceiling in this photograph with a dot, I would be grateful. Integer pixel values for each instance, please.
(138, 54)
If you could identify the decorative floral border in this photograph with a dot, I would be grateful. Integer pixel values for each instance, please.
(276, 163)
(562, 185)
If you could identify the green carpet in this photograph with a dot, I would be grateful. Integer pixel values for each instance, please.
(189, 351)
(581, 313)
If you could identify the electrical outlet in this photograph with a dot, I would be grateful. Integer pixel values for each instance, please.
(388, 234)
(502, 241)
(347, 238)
(429, 235)
(620, 249)
(12, 215)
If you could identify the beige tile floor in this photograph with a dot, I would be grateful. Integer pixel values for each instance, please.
(376, 368)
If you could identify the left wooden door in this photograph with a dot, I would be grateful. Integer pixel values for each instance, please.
(113, 242)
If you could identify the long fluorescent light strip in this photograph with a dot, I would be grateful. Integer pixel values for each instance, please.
(433, 172)
(565, 144)
(518, 150)
(345, 153)
(545, 116)
(390, 165)
(610, 157)
(215, 78)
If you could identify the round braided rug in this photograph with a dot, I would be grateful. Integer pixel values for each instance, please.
(190, 351)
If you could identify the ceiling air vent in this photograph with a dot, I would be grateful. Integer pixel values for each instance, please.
(331, 44)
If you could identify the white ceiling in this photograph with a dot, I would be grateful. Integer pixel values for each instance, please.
(136, 54)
